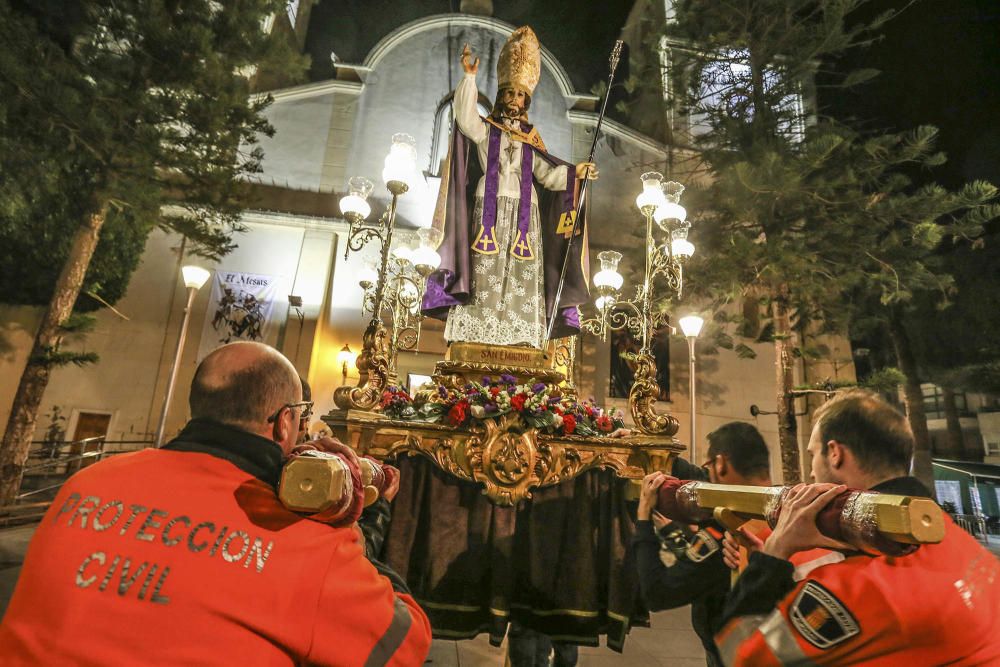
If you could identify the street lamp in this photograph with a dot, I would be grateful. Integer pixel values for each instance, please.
(194, 278)
(391, 288)
(691, 326)
(659, 204)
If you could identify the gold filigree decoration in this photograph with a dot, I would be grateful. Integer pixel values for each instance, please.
(509, 462)
(520, 62)
(373, 371)
(642, 397)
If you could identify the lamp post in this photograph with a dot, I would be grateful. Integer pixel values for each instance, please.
(659, 203)
(376, 363)
(194, 278)
(691, 326)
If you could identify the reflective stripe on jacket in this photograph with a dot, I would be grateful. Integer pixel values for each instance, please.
(939, 605)
(183, 558)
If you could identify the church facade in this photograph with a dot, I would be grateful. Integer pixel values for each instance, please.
(327, 131)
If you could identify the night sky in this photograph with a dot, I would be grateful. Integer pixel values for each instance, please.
(940, 61)
(579, 33)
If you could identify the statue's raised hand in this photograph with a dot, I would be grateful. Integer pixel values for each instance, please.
(470, 66)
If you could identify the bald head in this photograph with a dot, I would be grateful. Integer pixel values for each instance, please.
(242, 384)
(876, 433)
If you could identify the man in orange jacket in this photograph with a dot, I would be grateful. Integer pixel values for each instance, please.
(184, 555)
(938, 605)
(690, 570)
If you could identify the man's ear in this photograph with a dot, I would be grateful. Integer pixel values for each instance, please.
(835, 453)
(282, 425)
(722, 465)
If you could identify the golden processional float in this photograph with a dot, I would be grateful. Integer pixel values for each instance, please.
(511, 505)
(507, 417)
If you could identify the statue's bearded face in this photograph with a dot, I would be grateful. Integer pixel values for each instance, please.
(512, 103)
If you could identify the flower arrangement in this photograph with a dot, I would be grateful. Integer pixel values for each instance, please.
(541, 406)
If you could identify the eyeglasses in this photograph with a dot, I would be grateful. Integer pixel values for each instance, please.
(706, 467)
(306, 406)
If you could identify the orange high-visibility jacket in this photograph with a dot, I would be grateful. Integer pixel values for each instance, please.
(182, 558)
(939, 605)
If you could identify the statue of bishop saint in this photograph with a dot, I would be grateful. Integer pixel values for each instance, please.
(506, 210)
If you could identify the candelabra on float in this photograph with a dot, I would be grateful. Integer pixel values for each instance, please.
(660, 203)
(392, 291)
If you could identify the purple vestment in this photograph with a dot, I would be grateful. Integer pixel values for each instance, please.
(451, 284)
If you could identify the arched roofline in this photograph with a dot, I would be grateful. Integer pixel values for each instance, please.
(402, 33)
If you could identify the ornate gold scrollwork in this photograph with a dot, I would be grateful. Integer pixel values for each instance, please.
(507, 461)
(643, 395)
(373, 370)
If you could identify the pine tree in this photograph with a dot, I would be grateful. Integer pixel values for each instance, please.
(794, 208)
(133, 111)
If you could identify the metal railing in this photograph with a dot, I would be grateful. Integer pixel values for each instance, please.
(48, 467)
(977, 525)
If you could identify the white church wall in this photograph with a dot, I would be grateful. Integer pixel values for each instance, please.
(130, 380)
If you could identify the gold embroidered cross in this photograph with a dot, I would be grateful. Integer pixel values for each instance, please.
(523, 248)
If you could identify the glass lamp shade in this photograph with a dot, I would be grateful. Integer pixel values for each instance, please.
(430, 237)
(608, 276)
(682, 249)
(368, 275)
(401, 162)
(407, 291)
(667, 212)
(345, 356)
(610, 279)
(671, 211)
(603, 302)
(194, 276)
(403, 253)
(691, 325)
(609, 260)
(652, 191)
(425, 258)
(356, 201)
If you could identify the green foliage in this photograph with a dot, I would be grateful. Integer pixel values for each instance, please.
(133, 107)
(793, 205)
(884, 380)
(54, 358)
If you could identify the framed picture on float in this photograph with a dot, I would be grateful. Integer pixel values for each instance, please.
(414, 381)
(624, 347)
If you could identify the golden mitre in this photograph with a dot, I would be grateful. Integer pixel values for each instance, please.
(520, 63)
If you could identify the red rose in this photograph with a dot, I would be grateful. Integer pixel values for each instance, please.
(556, 409)
(494, 390)
(604, 424)
(569, 424)
(457, 413)
(386, 398)
(517, 401)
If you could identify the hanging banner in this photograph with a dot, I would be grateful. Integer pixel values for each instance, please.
(241, 308)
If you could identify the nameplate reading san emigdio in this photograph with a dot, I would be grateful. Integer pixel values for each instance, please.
(130, 576)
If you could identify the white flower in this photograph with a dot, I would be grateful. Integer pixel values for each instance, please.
(478, 411)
